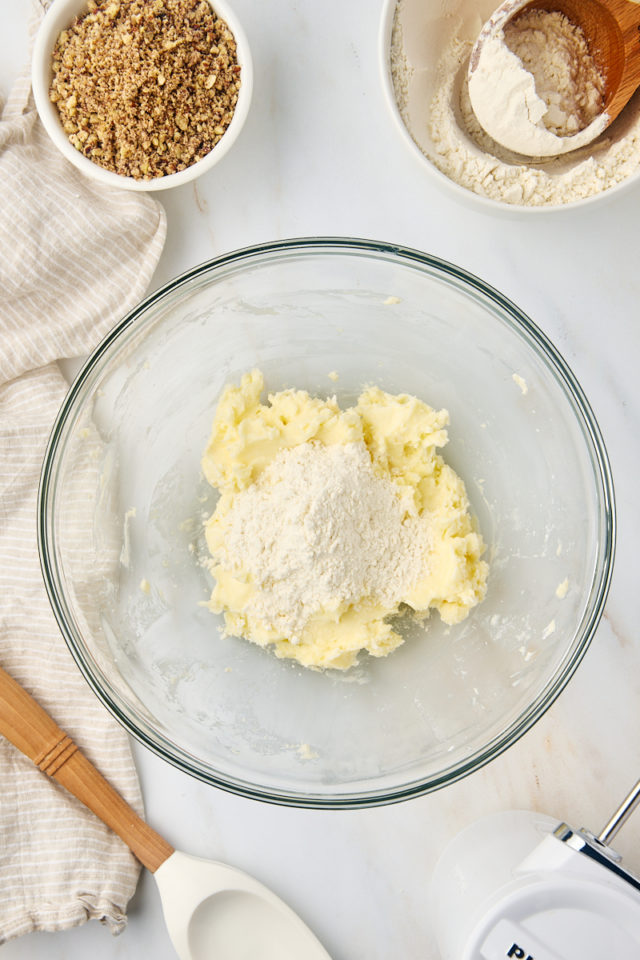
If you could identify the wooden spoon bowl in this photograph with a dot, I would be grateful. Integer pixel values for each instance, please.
(611, 29)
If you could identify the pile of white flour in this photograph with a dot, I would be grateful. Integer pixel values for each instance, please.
(535, 86)
(319, 528)
(432, 94)
(555, 52)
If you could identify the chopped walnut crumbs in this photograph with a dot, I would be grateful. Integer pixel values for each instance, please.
(145, 88)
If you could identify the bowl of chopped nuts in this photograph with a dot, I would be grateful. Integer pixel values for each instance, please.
(142, 95)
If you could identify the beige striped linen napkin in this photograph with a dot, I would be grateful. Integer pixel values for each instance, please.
(74, 257)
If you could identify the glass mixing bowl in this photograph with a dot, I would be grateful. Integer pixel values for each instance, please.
(123, 500)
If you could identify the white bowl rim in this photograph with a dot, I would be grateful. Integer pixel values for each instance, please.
(59, 14)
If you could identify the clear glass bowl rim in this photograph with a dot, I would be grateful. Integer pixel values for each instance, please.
(525, 327)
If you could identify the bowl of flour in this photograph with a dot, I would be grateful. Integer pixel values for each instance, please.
(424, 49)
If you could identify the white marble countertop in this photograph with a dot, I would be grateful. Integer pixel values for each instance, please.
(319, 155)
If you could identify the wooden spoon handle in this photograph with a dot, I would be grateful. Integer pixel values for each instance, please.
(36, 734)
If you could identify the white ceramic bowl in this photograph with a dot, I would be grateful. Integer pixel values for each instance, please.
(427, 29)
(123, 500)
(59, 16)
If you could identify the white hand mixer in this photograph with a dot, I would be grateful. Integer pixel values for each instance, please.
(520, 885)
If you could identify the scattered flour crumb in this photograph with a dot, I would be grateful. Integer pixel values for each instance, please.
(562, 588)
(145, 586)
(549, 629)
(333, 375)
(522, 383)
(125, 553)
(306, 753)
(391, 300)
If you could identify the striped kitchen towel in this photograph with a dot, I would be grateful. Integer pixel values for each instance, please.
(74, 257)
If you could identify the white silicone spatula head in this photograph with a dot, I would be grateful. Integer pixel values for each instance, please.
(215, 911)
(212, 911)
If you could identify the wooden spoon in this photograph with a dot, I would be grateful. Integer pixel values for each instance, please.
(211, 909)
(612, 32)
